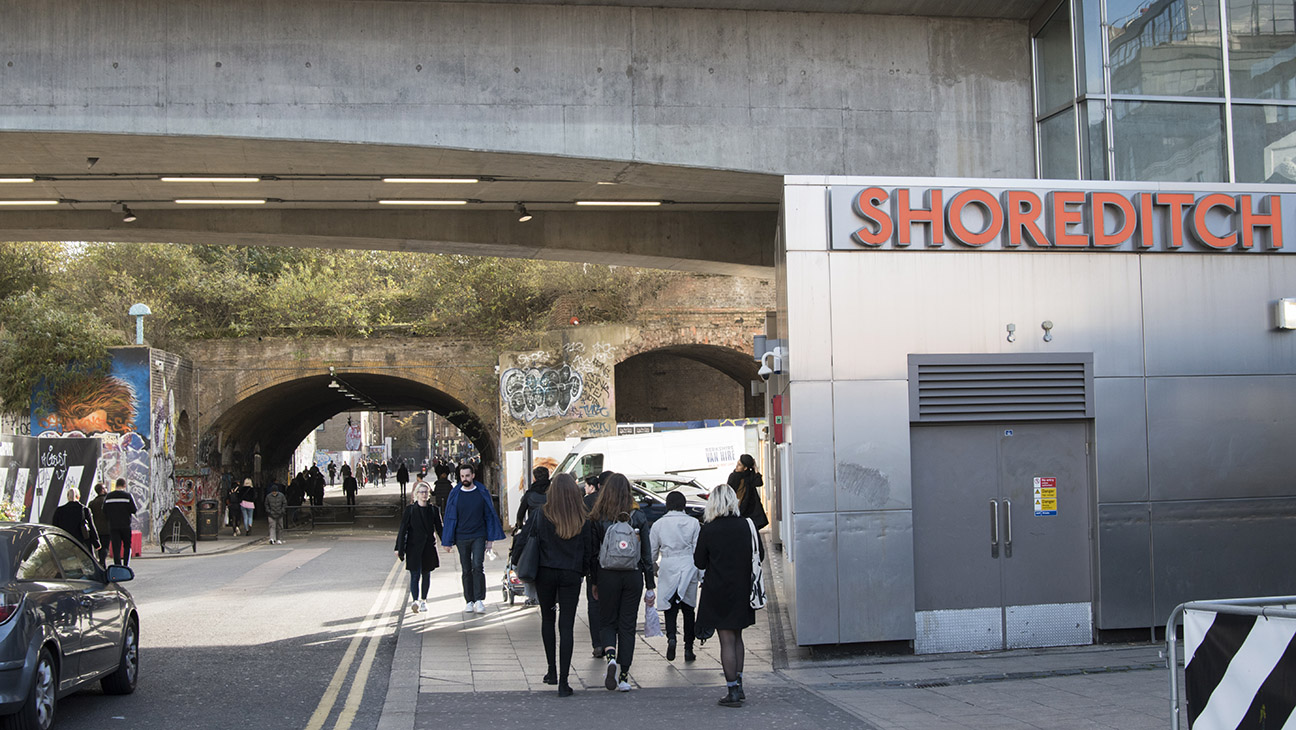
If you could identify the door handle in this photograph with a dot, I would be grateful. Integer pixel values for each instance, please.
(1008, 531)
(994, 528)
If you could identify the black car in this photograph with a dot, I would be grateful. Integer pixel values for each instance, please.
(64, 624)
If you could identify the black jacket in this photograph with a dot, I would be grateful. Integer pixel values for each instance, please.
(118, 508)
(639, 521)
(74, 518)
(532, 500)
(575, 553)
(416, 539)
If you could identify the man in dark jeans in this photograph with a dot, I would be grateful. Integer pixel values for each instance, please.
(118, 507)
(471, 525)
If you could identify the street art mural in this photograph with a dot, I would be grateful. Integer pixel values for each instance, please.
(561, 392)
(35, 473)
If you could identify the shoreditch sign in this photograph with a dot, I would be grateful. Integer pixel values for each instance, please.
(1022, 218)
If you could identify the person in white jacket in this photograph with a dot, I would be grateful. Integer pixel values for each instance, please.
(674, 537)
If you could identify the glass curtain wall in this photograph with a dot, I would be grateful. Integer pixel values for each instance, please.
(1167, 90)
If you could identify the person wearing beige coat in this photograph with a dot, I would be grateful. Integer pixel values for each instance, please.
(673, 540)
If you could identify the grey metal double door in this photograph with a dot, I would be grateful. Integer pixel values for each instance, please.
(1001, 536)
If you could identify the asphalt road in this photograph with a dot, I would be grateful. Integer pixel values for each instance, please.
(285, 636)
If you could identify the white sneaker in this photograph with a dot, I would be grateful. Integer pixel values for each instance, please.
(414, 607)
(623, 686)
(422, 605)
(479, 607)
(470, 607)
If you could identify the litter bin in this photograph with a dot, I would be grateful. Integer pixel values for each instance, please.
(208, 518)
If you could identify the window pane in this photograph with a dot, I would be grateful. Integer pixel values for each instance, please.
(1058, 147)
(1264, 143)
(1055, 81)
(1168, 142)
(37, 563)
(1166, 48)
(1262, 48)
(1094, 141)
(73, 559)
(1089, 48)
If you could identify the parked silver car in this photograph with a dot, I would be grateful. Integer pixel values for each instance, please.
(64, 624)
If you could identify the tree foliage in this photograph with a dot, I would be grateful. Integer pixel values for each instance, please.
(40, 338)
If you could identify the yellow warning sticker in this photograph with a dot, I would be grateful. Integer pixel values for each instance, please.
(1046, 503)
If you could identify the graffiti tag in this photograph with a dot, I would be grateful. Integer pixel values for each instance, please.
(533, 393)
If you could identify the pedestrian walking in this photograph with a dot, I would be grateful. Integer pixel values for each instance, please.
(532, 500)
(382, 473)
(746, 483)
(119, 507)
(673, 541)
(441, 487)
(471, 525)
(332, 470)
(276, 505)
(593, 614)
(566, 550)
(724, 552)
(349, 488)
(624, 567)
(74, 518)
(402, 478)
(247, 504)
(100, 523)
(233, 512)
(416, 543)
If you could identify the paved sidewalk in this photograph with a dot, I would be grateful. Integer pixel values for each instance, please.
(453, 669)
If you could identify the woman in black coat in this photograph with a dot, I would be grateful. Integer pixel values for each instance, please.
(724, 551)
(416, 543)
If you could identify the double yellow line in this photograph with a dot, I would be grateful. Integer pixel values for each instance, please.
(389, 598)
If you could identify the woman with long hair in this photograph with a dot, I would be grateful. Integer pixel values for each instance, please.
(565, 555)
(619, 580)
(416, 543)
(724, 551)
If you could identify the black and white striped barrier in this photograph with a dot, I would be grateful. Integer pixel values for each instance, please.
(1240, 664)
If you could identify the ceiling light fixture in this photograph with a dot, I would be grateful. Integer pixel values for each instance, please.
(423, 202)
(334, 384)
(433, 180)
(211, 179)
(221, 201)
(4, 180)
(620, 203)
(522, 214)
(29, 202)
(128, 215)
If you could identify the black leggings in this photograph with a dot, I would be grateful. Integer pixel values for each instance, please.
(619, 595)
(594, 615)
(678, 606)
(558, 592)
(415, 576)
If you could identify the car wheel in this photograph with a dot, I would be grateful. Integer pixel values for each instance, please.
(37, 713)
(122, 680)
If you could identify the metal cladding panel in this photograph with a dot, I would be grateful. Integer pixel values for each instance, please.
(805, 217)
(875, 575)
(1221, 437)
(1048, 624)
(887, 305)
(814, 482)
(1124, 596)
(1120, 435)
(1213, 314)
(1222, 549)
(871, 423)
(810, 341)
(817, 619)
(959, 629)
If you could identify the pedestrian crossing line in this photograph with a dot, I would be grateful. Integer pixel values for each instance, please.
(376, 612)
(351, 705)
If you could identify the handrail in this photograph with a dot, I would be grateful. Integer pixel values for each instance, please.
(1238, 606)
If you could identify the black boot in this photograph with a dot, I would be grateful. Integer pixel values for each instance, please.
(670, 650)
(688, 653)
(564, 689)
(551, 677)
(741, 694)
(731, 699)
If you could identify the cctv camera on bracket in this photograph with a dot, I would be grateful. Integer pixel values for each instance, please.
(771, 363)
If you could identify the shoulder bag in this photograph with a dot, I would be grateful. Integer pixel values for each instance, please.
(758, 575)
(528, 564)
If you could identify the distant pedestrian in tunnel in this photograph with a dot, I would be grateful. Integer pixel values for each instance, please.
(119, 507)
(247, 503)
(402, 478)
(349, 488)
(472, 525)
(416, 543)
(276, 504)
(332, 469)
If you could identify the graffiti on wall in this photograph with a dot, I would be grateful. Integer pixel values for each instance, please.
(558, 393)
(162, 481)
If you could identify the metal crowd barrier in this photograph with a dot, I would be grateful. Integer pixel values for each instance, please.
(1239, 663)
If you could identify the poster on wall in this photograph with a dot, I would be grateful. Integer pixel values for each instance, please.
(543, 453)
(35, 473)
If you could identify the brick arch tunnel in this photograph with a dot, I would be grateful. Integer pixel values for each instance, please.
(687, 382)
(273, 421)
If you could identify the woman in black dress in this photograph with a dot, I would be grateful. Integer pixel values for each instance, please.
(724, 551)
(416, 543)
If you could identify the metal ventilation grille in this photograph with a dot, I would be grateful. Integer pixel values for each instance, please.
(994, 388)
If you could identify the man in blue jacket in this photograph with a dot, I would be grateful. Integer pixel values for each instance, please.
(472, 525)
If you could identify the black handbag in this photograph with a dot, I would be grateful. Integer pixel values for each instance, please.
(528, 562)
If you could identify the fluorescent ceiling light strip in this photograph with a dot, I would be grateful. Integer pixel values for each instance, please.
(212, 179)
(29, 202)
(422, 202)
(219, 201)
(432, 180)
(626, 203)
(17, 180)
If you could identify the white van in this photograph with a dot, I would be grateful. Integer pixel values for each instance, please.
(705, 454)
